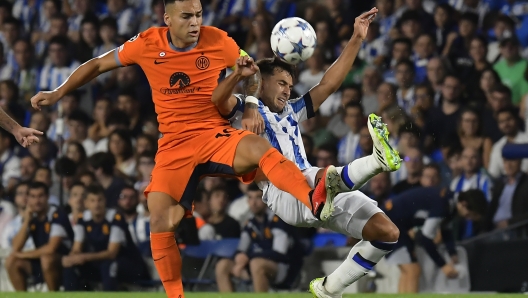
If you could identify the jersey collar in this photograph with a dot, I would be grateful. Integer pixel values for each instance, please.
(173, 47)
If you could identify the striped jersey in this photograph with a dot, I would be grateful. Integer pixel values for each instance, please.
(282, 129)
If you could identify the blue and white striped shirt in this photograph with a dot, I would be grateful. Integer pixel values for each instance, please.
(282, 129)
(139, 229)
(52, 77)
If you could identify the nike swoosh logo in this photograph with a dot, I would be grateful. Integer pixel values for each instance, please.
(282, 161)
(159, 62)
(155, 260)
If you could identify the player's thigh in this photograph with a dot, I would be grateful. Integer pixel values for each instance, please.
(353, 211)
(380, 228)
(249, 152)
(50, 262)
(289, 209)
(224, 266)
(263, 266)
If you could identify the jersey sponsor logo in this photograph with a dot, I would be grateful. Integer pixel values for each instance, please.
(179, 80)
(133, 38)
(202, 62)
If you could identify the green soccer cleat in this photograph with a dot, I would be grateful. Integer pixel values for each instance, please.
(387, 157)
(318, 290)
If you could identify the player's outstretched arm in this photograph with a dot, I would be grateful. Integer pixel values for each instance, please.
(24, 136)
(81, 76)
(335, 75)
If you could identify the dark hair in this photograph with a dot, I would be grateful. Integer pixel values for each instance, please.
(505, 19)
(253, 187)
(511, 110)
(201, 195)
(148, 154)
(65, 167)
(22, 183)
(503, 89)
(38, 185)
(451, 75)
(6, 5)
(12, 21)
(355, 105)
(125, 136)
(410, 127)
(80, 116)
(268, 66)
(108, 22)
(482, 39)
(127, 92)
(102, 160)
(152, 141)
(493, 73)
(60, 40)
(479, 119)
(409, 15)
(127, 186)
(220, 188)
(43, 168)
(81, 150)
(77, 183)
(408, 63)
(403, 40)
(328, 147)
(427, 88)
(13, 86)
(470, 17)
(433, 166)
(86, 172)
(94, 189)
(356, 87)
(475, 201)
(117, 117)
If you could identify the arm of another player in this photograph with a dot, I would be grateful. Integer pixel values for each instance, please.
(81, 76)
(335, 75)
(24, 136)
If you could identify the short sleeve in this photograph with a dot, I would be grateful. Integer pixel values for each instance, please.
(129, 52)
(117, 229)
(231, 51)
(78, 232)
(302, 107)
(60, 224)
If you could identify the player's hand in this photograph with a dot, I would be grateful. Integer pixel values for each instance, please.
(246, 66)
(454, 259)
(362, 23)
(26, 136)
(44, 98)
(450, 271)
(28, 214)
(252, 120)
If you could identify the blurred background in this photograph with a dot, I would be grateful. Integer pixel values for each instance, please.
(450, 78)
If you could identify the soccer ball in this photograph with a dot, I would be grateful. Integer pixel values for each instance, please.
(293, 40)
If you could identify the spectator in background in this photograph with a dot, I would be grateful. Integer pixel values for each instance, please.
(488, 80)
(413, 162)
(201, 212)
(102, 243)
(115, 120)
(120, 146)
(477, 52)
(7, 212)
(23, 71)
(386, 96)
(500, 98)
(380, 187)
(410, 26)
(75, 151)
(145, 143)
(76, 201)
(11, 33)
(336, 124)
(374, 47)
(79, 9)
(125, 17)
(370, 83)
(44, 175)
(424, 95)
(348, 147)
(509, 204)
(430, 176)
(98, 130)
(89, 39)
(239, 208)
(9, 94)
(472, 176)
(326, 155)
(102, 165)
(365, 141)
(78, 123)
(326, 38)
(386, 17)
(65, 170)
(503, 28)
(52, 235)
(444, 24)
(260, 30)
(457, 44)
(9, 162)
(43, 151)
(60, 65)
(28, 167)
(87, 178)
(512, 68)
(401, 49)
(40, 121)
(145, 165)
(128, 103)
(11, 229)
(424, 49)
(470, 133)
(268, 246)
(508, 120)
(313, 74)
(395, 118)
(224, 225)
(437, 69)
(409, 137)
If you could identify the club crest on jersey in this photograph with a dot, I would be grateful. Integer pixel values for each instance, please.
(202, 63)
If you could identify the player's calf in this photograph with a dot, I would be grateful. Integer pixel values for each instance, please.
(18, 270)
(223, 269)
(263, 273)
(51, 270)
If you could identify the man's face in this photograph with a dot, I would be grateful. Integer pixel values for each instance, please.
(126, 104)
(424, 46)
(451, 89)
(21, 196)
(11, 32)
(512, 167)
(499, 100)
(27, 168)
(115, 6)
(509, 51)
(470, 160)
(276, 90)
(76, 198)
(44, 176)
(465, 213)
(507, 124)
(58, 27)
(466, 28)
(380, 184)
(385, 94)
(325, 159)
(78, 130)
(128, 201)
(500, 28)
(371, 79)
(37, 200)
(95, 203)
(218, 201)
(430, 177)
(404, 75)
(413, 161)
(435, 71)
(401, 51)
(411, 29)
(58, 54)
(39, 122)
(22, 54)
(349, 95)
(353, 118)
(256, 205)
(184, 19)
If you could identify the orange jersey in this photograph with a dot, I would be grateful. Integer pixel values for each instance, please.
(182, 80)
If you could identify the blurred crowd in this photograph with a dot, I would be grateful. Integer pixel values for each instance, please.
(450, 79)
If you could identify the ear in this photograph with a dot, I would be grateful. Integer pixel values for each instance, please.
(166, 19)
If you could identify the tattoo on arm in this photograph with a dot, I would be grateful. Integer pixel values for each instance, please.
(7, 122)
(252, 85)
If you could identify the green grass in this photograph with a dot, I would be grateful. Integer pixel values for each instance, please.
(238, 295)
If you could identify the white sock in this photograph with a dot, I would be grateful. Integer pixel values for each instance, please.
(357, 173)
(361, 259)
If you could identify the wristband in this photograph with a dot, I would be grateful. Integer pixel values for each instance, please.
(251, 99)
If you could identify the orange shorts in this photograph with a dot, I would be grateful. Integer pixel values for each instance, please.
(179, 169)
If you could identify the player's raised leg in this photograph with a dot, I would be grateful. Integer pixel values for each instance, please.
(253, 151)
(383, 159)
(165, 216)
(379, 237)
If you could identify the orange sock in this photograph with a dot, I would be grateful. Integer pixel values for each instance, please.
(285, 175)
(167, 259)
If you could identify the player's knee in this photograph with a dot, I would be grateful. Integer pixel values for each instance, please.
(223, 267)
(165, 215)
(13, 263)
(49, 262)
(389, 233)
(256, 266)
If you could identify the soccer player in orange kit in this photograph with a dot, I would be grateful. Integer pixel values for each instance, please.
(183, 64)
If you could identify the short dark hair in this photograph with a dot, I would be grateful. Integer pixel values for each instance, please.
(102, 160)
(80, 116)
(22, 183)
(511, 110)
(125, 136)
(355, 105)
(127, 186)
(253, 187)
(451, 75)
(410, 127)
(475, 201)
(39, 185)
(109, 22)
(59, 16)
(503, 89)
(403, 40)
(94, 189)
(60, 40)
(127, 92)
(12, 21)
(433, 166)
(77, 183)
(469, 16)
(220, 188)
(117, 117)
(268, 66)
(409, 15)
(199, 195)
(408, 63)
(329, 147)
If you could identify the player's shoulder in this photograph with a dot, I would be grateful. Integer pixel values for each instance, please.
(212, 36)
(150, 36)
